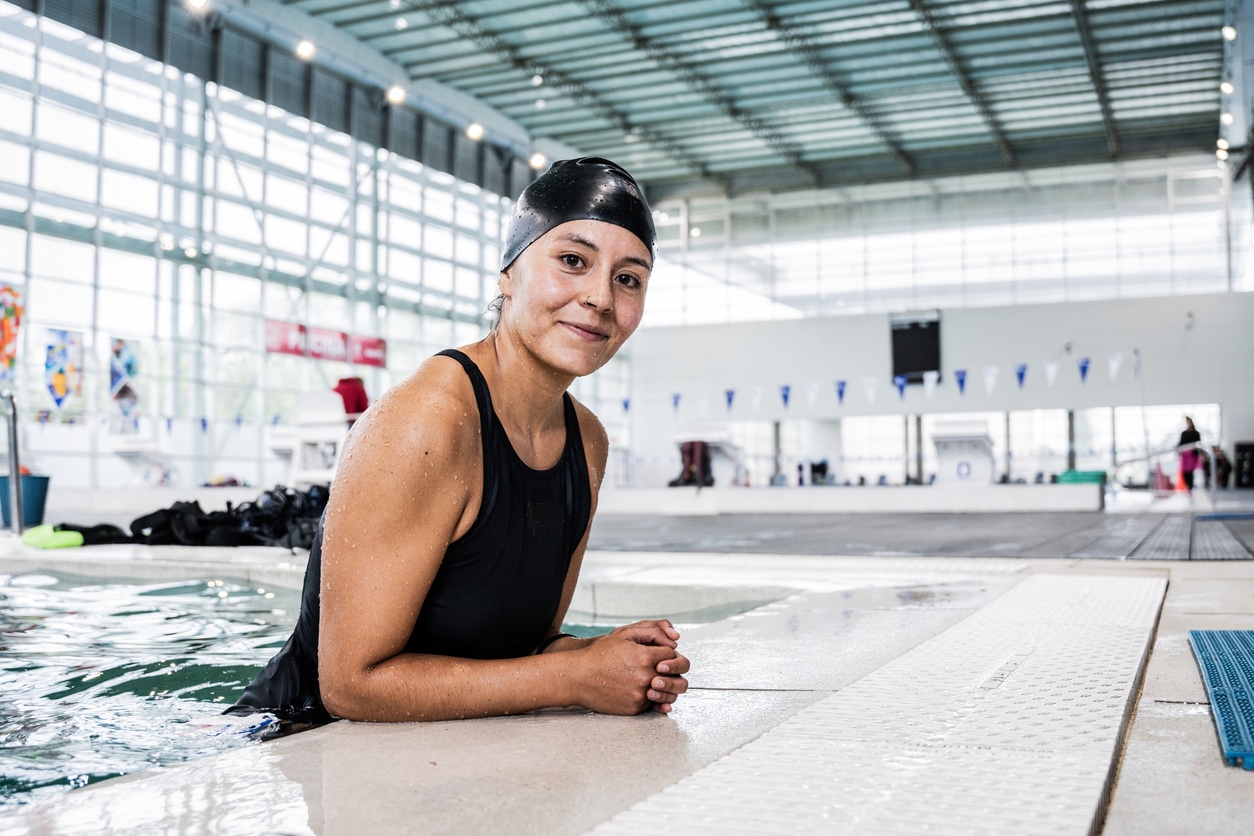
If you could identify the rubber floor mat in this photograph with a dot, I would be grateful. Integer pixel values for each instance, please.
(1226, 658)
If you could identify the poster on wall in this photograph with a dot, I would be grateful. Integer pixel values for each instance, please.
(10, 318)
(123, 369)
(63, 365)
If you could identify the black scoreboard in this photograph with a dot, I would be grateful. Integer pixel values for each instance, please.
(916, 344)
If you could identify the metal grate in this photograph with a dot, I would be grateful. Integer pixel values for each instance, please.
(1226, 658)
(1213, 541)
(1170, 541)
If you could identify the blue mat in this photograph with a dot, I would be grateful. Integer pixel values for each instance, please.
(1226, 658)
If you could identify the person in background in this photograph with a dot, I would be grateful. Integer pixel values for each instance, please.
(1188, 452)
(353, 392)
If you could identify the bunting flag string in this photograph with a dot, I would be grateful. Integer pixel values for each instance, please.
(960, 375)
(840, 391)
(1083, 365)
(900, 380)
(930, 379)
(1051, 371)
(1021, 373)
(730, 395)
(1113, 362)
(868, 383)
(784, 392)
(990, 379)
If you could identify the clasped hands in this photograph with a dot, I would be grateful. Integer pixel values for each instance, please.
(635, 668)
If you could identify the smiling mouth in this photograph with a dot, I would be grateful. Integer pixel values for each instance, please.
(586, 333)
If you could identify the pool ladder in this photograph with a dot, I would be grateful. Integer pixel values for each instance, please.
(15, 467)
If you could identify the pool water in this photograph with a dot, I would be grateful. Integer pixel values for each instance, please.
(99, 679)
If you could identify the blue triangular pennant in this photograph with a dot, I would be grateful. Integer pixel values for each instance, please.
(960, 375)
(730, 394)
(675, 401)
(626, 404)
(784, 392)
(840, 392)
(1083, 363)
(1021, 372)
(899, 380)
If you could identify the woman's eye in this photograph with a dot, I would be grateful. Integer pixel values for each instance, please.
(629, 280)
(571, 260)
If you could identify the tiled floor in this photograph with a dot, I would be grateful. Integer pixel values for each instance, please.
(1049, 535)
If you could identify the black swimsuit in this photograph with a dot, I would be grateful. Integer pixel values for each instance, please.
(498, 588)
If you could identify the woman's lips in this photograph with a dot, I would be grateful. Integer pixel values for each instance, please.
(586, 332)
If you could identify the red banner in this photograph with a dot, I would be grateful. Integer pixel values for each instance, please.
(324, 344)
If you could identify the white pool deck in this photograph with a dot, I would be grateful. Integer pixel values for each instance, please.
(875, 695)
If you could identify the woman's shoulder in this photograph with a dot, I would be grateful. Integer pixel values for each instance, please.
(433, 409)
(596, 442)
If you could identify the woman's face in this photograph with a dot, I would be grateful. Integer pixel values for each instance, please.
(576, 294)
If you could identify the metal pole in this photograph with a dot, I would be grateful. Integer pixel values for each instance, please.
(15, 467)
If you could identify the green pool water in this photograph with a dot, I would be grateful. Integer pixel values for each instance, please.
(99, 679)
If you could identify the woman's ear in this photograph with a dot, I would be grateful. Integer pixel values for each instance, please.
(505, 283)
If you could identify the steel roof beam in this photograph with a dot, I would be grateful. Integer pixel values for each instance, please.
(1095, 73)
(702, 85)
(950, 55)
(449, 13)
(803, 46)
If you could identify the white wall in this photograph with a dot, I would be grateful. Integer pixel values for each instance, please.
(1208, 358)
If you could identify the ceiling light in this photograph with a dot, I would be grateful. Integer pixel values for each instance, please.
(190, 252)
(1230, 34)
(396, 4)
(402, 23)
(475, 131)
(197, 5)
(396, 94)
(695, 232)
(1226, 118)
(541, 104)
(1221, 154)
(538, 160)
(1226, 88)
(537, 80)
(1222, 143)
(305, 50)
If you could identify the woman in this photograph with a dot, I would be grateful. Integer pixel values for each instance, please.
(1188, 455)
(460, 512)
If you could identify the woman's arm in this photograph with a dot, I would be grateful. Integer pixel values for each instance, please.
(408, 485)
(668, 682)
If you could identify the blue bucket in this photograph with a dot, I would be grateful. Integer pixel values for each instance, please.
(34, 495)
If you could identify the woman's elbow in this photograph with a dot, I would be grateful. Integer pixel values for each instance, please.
(343, 694)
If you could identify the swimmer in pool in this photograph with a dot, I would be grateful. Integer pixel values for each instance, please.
(450, 548)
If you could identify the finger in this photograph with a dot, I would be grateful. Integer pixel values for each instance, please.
(662, 707)
(651, 628)
(646, 634)
(677, 664)
(660, 697)
(669, 684)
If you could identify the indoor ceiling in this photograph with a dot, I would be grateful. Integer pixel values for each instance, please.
(733, 96)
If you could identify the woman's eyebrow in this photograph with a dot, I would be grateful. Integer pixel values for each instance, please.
(576, 238)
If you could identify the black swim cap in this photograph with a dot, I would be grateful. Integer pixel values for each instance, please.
(589, 188)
